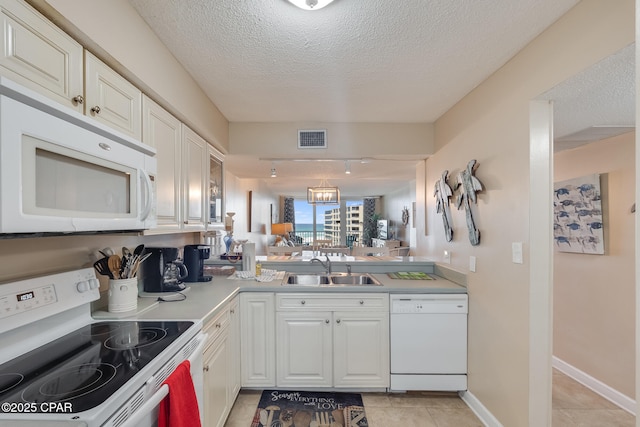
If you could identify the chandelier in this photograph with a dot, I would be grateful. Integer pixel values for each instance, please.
(324, 194)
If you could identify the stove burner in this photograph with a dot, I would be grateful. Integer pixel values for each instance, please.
(70, 383)
(9, 381)
(133, 338)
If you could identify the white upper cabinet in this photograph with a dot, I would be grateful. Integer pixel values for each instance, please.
(163, 131)
(195, 177)
(111, 99)
(40, 56)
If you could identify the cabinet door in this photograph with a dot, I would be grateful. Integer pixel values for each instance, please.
(195, 173)
(234, 347)
(111, 99)
(360, 349)
(257, 335)
(163, 131)
(303, 349)
(216, 379)
(37, 54)
(215, 189)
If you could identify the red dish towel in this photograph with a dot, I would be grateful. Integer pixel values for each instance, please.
(180, 407)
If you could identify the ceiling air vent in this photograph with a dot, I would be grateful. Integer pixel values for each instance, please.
(312, 139)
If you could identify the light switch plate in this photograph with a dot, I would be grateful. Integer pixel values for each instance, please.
(446, 257)
(472, 264)
(516, 252)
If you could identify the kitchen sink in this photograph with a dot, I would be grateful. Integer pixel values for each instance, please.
(306, 279)
(334, 279)
(353, 279)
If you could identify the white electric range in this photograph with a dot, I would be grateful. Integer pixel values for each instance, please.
(60, 367)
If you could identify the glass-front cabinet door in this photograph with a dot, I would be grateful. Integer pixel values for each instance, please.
(216, 188)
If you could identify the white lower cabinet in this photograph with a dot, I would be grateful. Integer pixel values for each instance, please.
(304, 349)
(216, 380)
(332, 340)
(221, 375)
(258, 346)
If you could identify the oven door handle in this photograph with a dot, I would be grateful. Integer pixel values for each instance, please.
(162, 392)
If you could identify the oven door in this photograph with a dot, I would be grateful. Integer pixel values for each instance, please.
(147, 414)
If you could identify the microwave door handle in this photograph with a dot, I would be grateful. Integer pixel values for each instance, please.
(147, 209)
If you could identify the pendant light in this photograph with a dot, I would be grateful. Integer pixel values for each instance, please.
(324, 194)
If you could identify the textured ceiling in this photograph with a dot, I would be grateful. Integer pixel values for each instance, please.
(352, 61)
(596, 103)
(368, 61)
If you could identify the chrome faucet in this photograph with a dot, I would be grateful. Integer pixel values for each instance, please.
(326, 265)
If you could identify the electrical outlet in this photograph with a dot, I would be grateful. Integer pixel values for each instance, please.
(446, 257)
(472, 264)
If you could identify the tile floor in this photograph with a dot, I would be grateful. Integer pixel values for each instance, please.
(573, 406)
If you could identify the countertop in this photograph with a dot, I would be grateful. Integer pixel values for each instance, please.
(205, 299)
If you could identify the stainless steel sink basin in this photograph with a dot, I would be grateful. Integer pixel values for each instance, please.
(306, 279)
(335, 279)
(354, 279)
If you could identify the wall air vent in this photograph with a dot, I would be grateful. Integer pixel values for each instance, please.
(312, 139)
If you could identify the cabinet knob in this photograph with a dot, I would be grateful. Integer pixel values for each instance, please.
(361, 302)
(303, 302)
(206, 368)
(218, 325)
(338, 321)
(326, 321)
(232, 311)
(78, 99)
(95, 110)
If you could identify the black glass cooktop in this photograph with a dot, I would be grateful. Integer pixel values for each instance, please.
(84, 368)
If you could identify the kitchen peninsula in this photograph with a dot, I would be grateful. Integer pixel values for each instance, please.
(265, 334)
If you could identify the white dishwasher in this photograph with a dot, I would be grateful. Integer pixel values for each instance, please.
(428, 341)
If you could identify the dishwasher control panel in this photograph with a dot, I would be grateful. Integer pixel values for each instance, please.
(429, 303)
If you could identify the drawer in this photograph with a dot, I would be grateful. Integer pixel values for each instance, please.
(332, 302)
(218, 324)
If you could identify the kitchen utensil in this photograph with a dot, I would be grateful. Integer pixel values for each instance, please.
(107, 252)
(102, 267)
(114, 266)
(138, 250)
(139, 260)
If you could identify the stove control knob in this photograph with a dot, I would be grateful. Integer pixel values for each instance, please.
(82, 286)
(94, 283)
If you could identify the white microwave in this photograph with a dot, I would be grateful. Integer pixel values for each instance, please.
(63, 172)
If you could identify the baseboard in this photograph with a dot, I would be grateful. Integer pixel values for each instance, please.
(597, 386)
(483, 414)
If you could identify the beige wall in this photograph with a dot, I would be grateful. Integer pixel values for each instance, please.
(491, 124)
(594, 295)
(393, 203)
(343, 139)
(118, 35)
(262, 201)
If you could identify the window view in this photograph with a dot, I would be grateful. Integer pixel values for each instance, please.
(324, 224)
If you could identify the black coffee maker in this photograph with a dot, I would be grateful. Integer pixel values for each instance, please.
(163, 271)
(194, 256)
